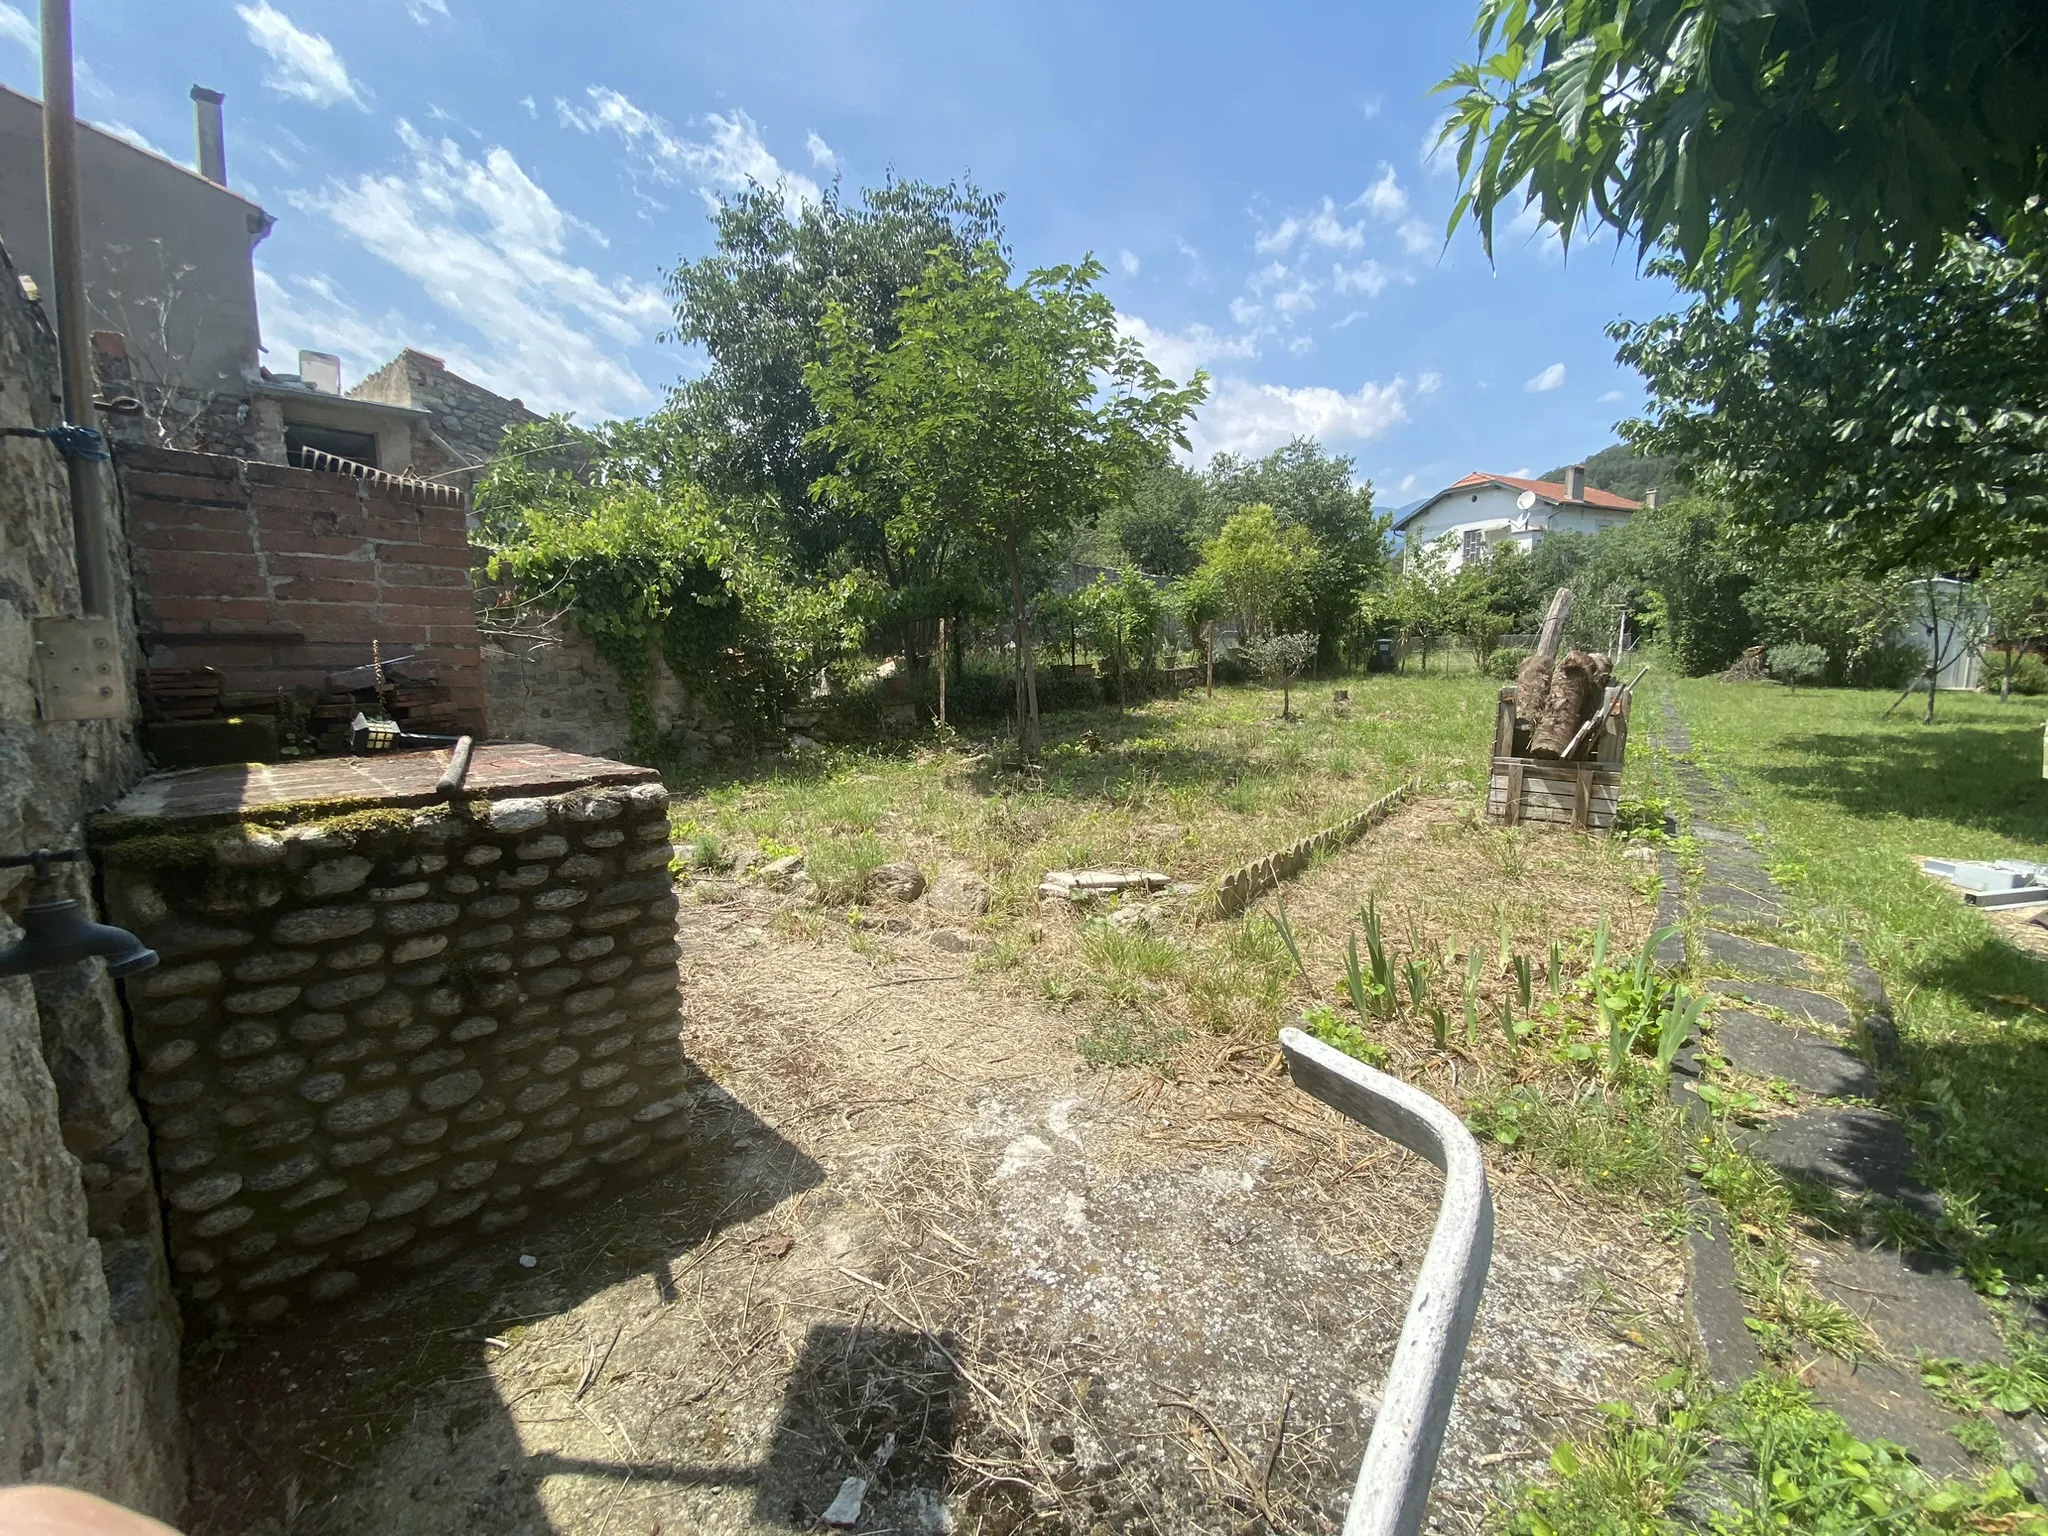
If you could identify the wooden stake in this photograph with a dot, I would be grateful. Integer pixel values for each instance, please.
(942, 671)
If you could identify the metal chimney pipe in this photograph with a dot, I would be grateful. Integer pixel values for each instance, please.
(67, 282)
(1575, 483)
(206, 128)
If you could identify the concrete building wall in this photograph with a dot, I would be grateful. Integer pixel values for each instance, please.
(88, 1333)
(167, 260)
(1491, 512)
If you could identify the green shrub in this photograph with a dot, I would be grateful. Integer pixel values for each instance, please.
(1889, 666)
(2029, 674)
(1799, 664)
(1506, 662)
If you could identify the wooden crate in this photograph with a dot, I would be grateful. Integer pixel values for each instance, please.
(1583, 792)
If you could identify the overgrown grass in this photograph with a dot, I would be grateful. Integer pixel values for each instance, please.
(1758, 1462)
(1848, 799)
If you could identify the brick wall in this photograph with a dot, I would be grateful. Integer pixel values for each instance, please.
(278, 576)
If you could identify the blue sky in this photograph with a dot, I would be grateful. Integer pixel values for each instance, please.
(505, 183)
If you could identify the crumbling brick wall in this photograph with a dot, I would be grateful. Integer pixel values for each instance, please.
(278, 576)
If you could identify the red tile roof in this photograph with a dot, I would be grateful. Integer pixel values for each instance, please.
(1550, 490)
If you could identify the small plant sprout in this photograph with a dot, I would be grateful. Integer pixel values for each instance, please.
(1506, 949)
(1440, 1026)
(1525, 982)
(1364, 992)
(1416, 973)
(1286, 931)
(1508, 1027)
(1376, 950)
(1677, 1024)
(1600, 941)
(1554, 972)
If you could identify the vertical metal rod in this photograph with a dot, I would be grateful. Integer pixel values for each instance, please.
(67, 284)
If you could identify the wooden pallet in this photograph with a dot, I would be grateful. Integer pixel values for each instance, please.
(1584, 792)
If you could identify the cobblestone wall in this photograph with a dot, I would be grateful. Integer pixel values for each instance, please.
(563, 693)
(378, 1038)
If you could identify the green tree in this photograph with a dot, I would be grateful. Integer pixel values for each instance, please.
(1000, 414)
(1259, 564)
(1122, 621)
(1315, 492)
(757, 305)
(1160, 527)
(1197, 601)
(2015, 596)
(1908, 426)
(1814, 139)
(1281, 659)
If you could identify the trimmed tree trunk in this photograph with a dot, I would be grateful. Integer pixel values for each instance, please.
(1027, 677)
(1532, 682)
(1209, 655)
(1574, 695)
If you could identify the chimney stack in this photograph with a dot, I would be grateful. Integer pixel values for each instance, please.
(1653, 498)
(1575, 483)
(213, 149)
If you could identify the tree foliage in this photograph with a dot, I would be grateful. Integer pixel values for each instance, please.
(1001, 414)
(1907, 428)
(1259, 564)
(1803, 140)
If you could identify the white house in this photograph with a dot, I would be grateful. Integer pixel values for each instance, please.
(1472, 515)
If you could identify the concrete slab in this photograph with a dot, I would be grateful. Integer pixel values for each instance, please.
(1725, 952)
(1795, 1003)
(1807, 1061)
(1856, 1151)
(1716, 1303)
(1913, 1304)
(1733, 904)
(1881, 1402)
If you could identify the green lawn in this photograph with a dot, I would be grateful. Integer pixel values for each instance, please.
(1848, 797)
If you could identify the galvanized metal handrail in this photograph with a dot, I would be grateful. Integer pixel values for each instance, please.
(1392, 1491)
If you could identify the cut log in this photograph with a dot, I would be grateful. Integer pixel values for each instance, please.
(1532, 683)
(1574, 694)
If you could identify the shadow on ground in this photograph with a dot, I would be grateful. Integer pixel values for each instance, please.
(282, 1420)
(1972, 775)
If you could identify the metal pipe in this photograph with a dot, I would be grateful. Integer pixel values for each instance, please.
(1391, 1495)
(67, 285)
(449, 785)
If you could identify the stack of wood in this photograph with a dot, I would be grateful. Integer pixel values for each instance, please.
(407, 690)
(181, 693)
(1750, 669)
(1556, 700)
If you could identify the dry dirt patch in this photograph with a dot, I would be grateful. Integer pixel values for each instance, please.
(921, 1243)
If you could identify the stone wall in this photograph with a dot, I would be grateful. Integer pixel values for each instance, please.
(88, 1332)
(552, 686)
(380, 1037)
(467, 422)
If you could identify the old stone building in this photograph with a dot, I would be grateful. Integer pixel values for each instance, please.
(461, 423)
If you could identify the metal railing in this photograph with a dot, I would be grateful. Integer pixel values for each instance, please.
(1392, 1491)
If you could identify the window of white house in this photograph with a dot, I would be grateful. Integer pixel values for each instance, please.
(1475, 544)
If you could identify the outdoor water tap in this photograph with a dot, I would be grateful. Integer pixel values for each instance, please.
(55, 930)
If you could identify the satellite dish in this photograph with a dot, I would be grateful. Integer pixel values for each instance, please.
(1526, 500)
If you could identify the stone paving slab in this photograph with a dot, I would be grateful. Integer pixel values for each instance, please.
(1796, 1003)
(1732, 904)
(1731, 952)
(1884, 1402)
(1809, 1062)
(1913, 1303)
(1855, 1151)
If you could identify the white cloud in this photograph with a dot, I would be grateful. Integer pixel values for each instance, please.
(1429, 383)
(1128, 260)
(423, 10)
(1372, 106)
(1384, 199)
(1544, 382)
(1177, 354)
(1536, 233)
(312, 312)
(489, 247)
(1417, 238)
(1301, 345)
(17, 28)
(1243, 417)
(1368, 278)
(134, 136)
(1275, 241)
(1246, 312)
(1282, 289)
(1326, 229)
(822, 155)
(304, 65)
(1407, 484)
(1438, 158)
(1613, 397)
(732, 157)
